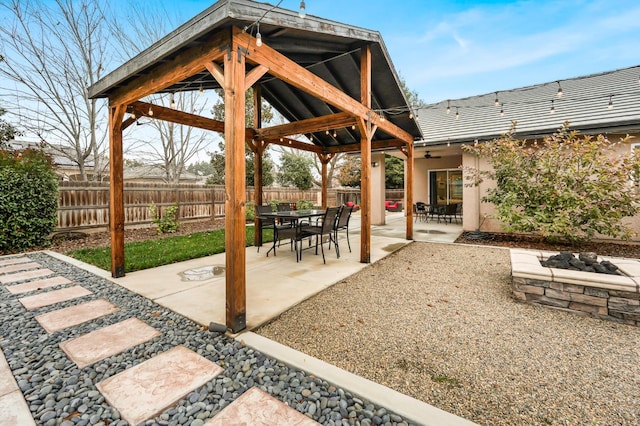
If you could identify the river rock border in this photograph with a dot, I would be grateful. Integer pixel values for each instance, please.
(610, 297)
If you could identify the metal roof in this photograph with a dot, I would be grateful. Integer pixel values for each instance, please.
(330, 50)
(584, 103)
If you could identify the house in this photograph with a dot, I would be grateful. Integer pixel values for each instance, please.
(606, 103)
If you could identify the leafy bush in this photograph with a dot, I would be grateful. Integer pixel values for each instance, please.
(250, 211)
(168, 222)
(28, 200)
(568, 186)
(304, 205)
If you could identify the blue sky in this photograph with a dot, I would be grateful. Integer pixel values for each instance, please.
(453, 49)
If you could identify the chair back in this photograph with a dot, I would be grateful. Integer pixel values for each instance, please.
(421, 207)
(284, 207)
(330, 218)
(263, 209)
(343, 218)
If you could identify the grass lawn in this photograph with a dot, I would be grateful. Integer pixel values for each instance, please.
(149, 254)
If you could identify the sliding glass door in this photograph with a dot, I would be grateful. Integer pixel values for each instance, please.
(445, 187)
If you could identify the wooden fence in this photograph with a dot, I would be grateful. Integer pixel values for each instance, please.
(85, 205)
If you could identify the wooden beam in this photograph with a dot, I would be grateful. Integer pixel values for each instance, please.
(375, 145)
(316, 124)
(141, 109)
(367, 129)
(116, 190)
(235, 190)
(258, 150)
(292, 73)
(292, 143)
(185, 64)
(254, 75)
(216, 72)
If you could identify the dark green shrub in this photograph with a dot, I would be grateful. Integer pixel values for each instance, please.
(304, 205)
(28, 200)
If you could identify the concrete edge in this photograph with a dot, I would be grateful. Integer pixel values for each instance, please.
(75, 262)
(403, 405)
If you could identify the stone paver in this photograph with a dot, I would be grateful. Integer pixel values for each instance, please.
(37, 285)
(255, 407)
(20, 276)
(108, 341)
(74, 315)
(14, 260)
(13, 407)
(143, 391)
(17, 267)
(51, 297)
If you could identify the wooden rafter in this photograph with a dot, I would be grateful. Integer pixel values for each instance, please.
(185, 64)
(298, 76)
(311, 125)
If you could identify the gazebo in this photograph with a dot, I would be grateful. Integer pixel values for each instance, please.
(334, 83)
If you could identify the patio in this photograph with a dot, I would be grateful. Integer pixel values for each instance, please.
(274, 284)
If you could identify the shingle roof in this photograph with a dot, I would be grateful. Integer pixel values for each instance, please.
(584, 103)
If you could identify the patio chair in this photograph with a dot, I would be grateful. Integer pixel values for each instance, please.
(264, 221)
(325, 227)
(342, 224)
(421, 211)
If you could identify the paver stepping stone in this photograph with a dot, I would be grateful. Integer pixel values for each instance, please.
(255, 407)
(108, 341)
(37, 285)
(16, 267)
(147, 389)
(74, 315)
(51, 297)
(14, 260)
(37, 273)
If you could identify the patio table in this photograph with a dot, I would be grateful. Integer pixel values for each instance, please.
(294, 217)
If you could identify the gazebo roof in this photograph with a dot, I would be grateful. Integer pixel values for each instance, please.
(328, 49)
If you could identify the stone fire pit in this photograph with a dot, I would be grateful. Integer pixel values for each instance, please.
(605, 296)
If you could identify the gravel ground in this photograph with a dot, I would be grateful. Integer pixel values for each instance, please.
(437, 322)
(59, 393)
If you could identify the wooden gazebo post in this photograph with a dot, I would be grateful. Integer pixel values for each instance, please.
(235, 188)
(116, 190)
(324, 160)
(366, 133)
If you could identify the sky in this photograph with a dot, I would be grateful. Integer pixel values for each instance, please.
(458, 48)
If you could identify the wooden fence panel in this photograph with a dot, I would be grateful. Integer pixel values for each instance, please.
(85, 205)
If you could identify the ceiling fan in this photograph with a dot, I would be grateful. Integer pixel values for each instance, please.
(428, 155)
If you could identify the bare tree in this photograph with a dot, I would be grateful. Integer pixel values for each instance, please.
(51, 53)
(170, 146)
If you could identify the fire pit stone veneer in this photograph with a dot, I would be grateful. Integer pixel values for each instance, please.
(611, 297)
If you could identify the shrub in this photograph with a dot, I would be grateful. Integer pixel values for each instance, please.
(304, 205)
(250, 211)
(28, 200)
(568, 186)
(168, 222)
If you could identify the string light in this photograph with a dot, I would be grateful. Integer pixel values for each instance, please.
(553, 108)
(201, 89)
(303, 9)
(502, 110)
(173, 101)
(353, 127)
(448, 107)
(457, 113)
(560, 93)
(150, 110)
(258, 36)
(335, 134)
(610, 106)
(496, 102)
(326, 132)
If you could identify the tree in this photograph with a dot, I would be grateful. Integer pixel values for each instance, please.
(568, 186)
(393, 172)
(7, 130)
(349, 174)
(295, 170)
(218, 168)
(176, 144)
(200, 168)
(51, 53)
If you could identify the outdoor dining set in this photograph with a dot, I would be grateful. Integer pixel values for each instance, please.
(444, 212)
(308, 225)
